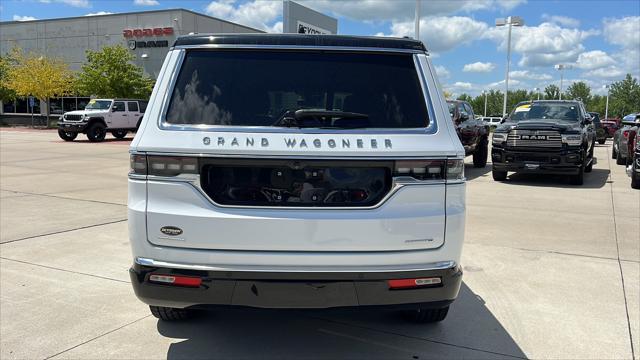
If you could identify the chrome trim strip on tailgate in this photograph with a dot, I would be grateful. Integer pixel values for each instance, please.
(442, 265)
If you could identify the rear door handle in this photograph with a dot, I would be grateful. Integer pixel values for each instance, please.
(125, 115)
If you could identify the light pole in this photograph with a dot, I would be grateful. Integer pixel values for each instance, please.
(511, 21)
(537, 90)
(484, 92)
(561, 68)
(606, 108)
(417, 21)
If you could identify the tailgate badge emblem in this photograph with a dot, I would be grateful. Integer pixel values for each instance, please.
(206, 140)
(171, 230)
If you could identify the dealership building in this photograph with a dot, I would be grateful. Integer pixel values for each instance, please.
(147, 34)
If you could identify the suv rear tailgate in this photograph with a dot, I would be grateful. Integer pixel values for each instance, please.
(412, 218)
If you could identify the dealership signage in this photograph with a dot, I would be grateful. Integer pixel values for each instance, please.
(159, 31)
(304, 28)
(146, 32)
(133, 44)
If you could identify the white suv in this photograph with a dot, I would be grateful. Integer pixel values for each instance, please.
(100, 116)
(297, 171)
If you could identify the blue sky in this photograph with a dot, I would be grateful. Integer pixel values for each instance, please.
(600, 39)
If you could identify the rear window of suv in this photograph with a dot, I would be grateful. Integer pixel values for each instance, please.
(265, 88)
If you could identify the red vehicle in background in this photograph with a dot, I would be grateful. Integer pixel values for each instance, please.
(610, 126)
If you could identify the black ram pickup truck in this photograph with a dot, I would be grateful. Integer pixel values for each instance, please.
(473, 133)
(547, 136)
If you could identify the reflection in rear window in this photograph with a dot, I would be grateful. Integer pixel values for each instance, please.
(257, 88)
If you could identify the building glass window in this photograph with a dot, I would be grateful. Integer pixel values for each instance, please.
(82, 103)
(69, 104)
(22, 106)
(9, 107)
(55, 106)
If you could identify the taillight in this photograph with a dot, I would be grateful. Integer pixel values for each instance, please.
(626, 133)
(163, 165)
(176, 280)
(413, 283)
(437, 169)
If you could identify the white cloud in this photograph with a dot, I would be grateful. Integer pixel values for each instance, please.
(398, 10)
(442, 72)
(479, 67)
(74, 3)
(526, 74)
(624, 32)
(260, 14)
(595, 59)
(561, 20)
(23, 18)
(500, 84)
(98, 13)
(543, 45)
(442, 33)
(146, 2)
(610, 72)
(462, 85)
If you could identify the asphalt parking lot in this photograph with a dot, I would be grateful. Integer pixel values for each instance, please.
(551, 271)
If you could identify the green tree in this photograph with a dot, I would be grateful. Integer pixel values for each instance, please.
(579, 90)
(6, 93)
(624, 97)
(38, 76)
(465, 97)
(110, 73)
(551, 92)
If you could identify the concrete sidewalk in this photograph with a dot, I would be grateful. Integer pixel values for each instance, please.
(551, 271)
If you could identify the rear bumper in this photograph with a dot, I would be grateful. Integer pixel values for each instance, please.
(567, 162)
(276, 289)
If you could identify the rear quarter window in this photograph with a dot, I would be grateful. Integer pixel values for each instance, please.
(256, 88)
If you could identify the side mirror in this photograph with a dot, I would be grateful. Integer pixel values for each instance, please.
(587, 121)
(464, 116)
(113, 109)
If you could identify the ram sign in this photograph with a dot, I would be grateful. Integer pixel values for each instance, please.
(299, 19)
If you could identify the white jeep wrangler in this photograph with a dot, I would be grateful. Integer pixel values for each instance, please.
(297, 171)
(100, 116)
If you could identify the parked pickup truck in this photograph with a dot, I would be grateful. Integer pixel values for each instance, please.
(473, 133)
(100, 116)
(549, 136)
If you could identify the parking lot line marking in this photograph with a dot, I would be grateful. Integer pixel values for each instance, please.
(65, 270)
(615, 233)
(64, 197)
(97, 337)
(64, 231)
(554, 252)
(416, 337)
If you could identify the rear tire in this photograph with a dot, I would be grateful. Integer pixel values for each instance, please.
(481, 154)
(96, 132)
(499, 175)
(620, 160)
(119, 134)
(170, 314)
(635, 180)
(614, 154)
(67, 136)
(426, 315)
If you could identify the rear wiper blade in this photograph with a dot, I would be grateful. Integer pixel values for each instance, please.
(302, 113)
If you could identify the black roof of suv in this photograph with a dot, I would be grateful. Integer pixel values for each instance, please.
(301, 40)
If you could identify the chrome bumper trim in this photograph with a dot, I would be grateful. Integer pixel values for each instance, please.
(442, 265)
